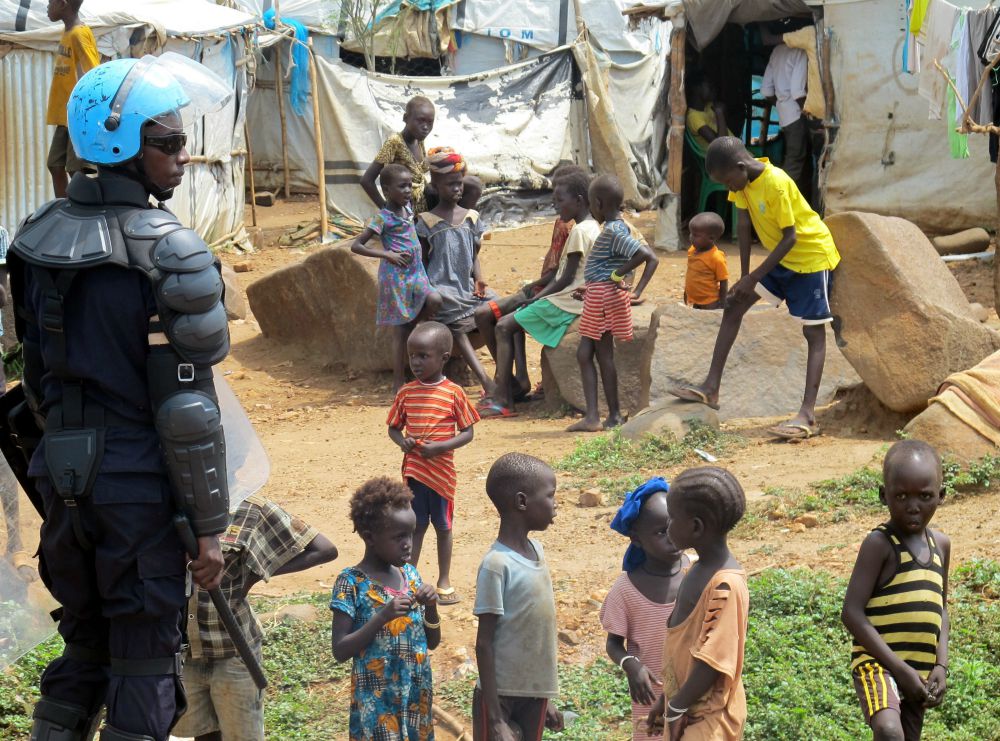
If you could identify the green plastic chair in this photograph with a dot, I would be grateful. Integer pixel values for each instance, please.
(709, 186)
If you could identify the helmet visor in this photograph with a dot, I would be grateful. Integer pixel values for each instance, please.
(170, 89)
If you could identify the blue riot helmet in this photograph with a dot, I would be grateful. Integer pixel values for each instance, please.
(112, 102)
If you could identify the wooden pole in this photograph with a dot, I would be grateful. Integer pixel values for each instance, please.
(678, 107)
(253, 188)
(996, 243)
(318, 127)
(279, 77)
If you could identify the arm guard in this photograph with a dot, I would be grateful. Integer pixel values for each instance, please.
(189, 335)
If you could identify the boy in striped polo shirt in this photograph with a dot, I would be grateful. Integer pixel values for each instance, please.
(429, 419)
(607, 301)
(896, 605)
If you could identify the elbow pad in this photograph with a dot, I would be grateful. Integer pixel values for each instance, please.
(189, 424)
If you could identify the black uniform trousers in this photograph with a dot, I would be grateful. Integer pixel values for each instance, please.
(123, 598)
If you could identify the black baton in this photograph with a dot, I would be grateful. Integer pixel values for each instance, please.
(222, 607)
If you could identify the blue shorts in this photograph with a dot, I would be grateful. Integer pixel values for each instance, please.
(430, 507)
(807, 295)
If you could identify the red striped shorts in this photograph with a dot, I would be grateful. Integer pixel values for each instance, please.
(606, 308)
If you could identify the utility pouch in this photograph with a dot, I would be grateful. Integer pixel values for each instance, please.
(72, 458)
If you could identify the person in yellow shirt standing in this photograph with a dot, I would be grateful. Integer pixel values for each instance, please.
(797, 271)
(77, 54)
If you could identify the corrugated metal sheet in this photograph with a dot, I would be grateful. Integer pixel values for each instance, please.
(25, 76)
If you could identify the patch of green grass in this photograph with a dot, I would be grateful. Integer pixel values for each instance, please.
(615, 464)
(858, 493)
(598, 694)
(796, 669)
(19, 688)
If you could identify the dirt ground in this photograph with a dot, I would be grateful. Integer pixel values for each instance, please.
(324, 430)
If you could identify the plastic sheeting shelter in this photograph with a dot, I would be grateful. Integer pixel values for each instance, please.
(211, 197)
(514, 124)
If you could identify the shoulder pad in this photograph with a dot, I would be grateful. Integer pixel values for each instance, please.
(43, 209)
(182, 251)
(62, 236)
(150, 223)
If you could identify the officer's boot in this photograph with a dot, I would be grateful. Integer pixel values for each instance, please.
(56, 720)
(110, 733)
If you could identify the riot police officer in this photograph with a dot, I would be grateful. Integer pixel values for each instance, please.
(121, 319)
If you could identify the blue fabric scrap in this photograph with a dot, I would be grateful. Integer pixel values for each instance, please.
(298, 88)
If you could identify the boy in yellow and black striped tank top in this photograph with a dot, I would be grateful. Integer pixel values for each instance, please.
(896, 601)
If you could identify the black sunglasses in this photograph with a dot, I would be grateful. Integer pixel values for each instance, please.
(170, 144)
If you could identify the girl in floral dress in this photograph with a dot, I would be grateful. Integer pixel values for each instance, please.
(385, 619)
(404, 293)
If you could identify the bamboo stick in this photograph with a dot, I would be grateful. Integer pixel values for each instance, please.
(253, 188)
(279, 77)
(678, 108)
(449, 721)
(320, 158)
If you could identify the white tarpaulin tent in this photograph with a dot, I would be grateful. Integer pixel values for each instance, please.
(514, 124)
(212, 195)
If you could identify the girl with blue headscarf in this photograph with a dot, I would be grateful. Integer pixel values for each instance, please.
(640, 602)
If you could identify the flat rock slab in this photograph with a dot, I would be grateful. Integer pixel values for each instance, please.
(766, 372)
(326, 302)
(905, 319)
(561, 371)
(672, 417)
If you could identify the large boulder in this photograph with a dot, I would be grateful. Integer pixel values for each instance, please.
(950, 435)
(905, 320)
(561, 371)
(766, 371)
(326, 302)
(236, 305)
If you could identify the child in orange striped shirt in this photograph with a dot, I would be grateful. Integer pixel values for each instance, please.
(429, 419)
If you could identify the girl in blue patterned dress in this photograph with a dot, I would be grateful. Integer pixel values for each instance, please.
(385, 619)
(404, 293)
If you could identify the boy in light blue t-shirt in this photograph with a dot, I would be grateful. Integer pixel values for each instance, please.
(516, 643)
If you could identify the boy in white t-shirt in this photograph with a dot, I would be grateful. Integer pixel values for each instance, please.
(516, 643)
(547, 316)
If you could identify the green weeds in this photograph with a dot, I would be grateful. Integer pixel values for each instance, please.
(615, 464)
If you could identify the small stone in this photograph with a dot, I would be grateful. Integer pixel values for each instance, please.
(599, 595)
(264, 198)
(980, 312)
(304, 613)
(809, 520)
(242, 267)
(778, 513)
(797, 527)
(591, 498)
(569, 637)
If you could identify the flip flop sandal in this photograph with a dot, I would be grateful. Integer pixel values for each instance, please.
(689, 393)
(796, 431)
(448, 596)
(490, 408)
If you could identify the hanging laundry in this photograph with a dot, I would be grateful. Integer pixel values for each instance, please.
(918, 11)
(969, 68)
(911, 53)
(936, 33)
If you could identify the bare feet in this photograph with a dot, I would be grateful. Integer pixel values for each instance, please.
(612, 422)
(586, 425)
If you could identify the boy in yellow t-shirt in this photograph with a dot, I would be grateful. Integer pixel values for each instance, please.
(77, 54)
(797, 271)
